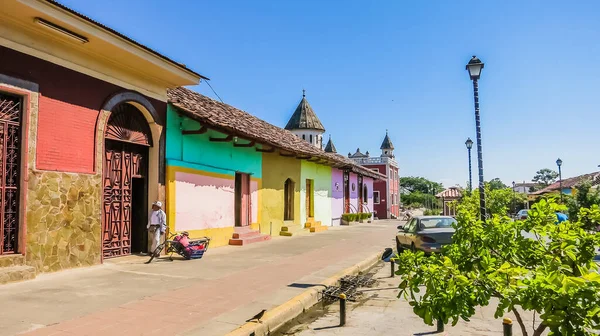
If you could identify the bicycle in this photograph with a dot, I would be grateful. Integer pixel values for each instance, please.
(192, 249)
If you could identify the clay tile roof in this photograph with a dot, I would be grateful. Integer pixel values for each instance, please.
(304, 118)
(387, 143)
(330, 147)
(570, 183)
(226, 118)
(452, 192)
(130, 40)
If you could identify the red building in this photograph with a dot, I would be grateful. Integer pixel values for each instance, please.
(386, 196)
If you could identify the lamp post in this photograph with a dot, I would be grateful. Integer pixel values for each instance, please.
(514, 197)
(469, 144)
(559, 164)
(474, 67)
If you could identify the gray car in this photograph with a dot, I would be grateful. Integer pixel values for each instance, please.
(425, 233)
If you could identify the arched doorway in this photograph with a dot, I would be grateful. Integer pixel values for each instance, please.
(125, 182)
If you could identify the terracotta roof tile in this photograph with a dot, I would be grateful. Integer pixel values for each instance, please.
(570, 183)
(227, 118)
(452, 192)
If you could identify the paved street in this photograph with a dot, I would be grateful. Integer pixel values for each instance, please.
(210, 296)
(380, 312)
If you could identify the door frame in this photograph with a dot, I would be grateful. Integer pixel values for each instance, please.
(242, 204)
(310, 198)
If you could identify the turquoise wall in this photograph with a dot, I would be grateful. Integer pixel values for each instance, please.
(197, 152)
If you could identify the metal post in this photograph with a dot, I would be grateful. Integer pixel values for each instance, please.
(560, 182)
(440, 325)
(392, 268)
(507, 326)
(482, 209)
(470, 173)
(342, 310)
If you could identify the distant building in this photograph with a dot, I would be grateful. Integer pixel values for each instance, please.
(569, 184)
(305, 123)
(386, 198)
(525, 187)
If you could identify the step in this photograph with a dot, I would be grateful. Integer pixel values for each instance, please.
(310, 224)
(12, 260)
(16, 273)
(246, 241)
(318, 228)
(291, 230)
(244, 235)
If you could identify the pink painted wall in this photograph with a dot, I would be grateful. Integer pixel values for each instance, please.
(337, 195)
(353, 193)
(206, 202)
(369, 183)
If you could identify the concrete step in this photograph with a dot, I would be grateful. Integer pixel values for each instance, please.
(12, 260)
(310, 224)
(16, 273)
(243, 235)
(246, 241)
(291, 230)
(318, 228)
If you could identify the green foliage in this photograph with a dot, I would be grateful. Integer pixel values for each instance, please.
(553, 274)
(498, 201)
(353, 217)
(431, 212)
(585, 197)
(495, 184)
(418, 199)
(545, 177)
(412, 184)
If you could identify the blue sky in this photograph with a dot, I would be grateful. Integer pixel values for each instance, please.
(369, 66)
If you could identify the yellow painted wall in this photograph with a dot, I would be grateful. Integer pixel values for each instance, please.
(276, 170)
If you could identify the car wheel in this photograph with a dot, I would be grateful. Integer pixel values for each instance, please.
(399, 247)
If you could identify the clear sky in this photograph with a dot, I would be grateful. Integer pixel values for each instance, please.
(368, 66)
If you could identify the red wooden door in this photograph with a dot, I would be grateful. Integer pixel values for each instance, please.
(242, 199)
(346, 192)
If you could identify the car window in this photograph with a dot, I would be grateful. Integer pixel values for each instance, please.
(411, 225)
(432, 223)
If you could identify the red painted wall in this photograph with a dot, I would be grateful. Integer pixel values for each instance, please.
(69, 105)
(66, 135)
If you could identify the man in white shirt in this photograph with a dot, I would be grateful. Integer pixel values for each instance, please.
(157, 225)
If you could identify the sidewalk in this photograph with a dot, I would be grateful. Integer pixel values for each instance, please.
(380, 312)
(210, 296)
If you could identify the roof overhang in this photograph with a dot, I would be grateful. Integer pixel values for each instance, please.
(83, 45)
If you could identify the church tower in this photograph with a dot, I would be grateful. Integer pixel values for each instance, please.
(305, 124)
(387, 147)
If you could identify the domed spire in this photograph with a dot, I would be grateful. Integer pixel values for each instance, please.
(330, 148)
(304, 117)
(387, 143)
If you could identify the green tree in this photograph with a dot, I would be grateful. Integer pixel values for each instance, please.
(585, 197)
(411, 184)
(545, 177)
(497, 201)
(496, 183)
(491, 262)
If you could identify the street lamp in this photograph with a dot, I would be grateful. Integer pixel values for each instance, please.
(559, 164)
(514, 197)
(474, 67)
(469, 144)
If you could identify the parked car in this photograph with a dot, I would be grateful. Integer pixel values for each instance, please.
(425, 233)
(522, 214)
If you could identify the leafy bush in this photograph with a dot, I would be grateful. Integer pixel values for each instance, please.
(553, 274)
(431, 212)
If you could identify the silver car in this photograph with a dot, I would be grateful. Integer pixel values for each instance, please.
(425, 233)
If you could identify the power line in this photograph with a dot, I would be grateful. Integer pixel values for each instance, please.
(213, 90)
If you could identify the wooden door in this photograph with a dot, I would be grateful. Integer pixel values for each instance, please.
(346, 192)
(309, 199)
(360, 194)
(242, 199)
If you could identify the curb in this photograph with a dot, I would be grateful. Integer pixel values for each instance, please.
(278, 316)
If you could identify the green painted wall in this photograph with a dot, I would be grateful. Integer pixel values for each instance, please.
(197, 152)
(321, 175)
(276, 170)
